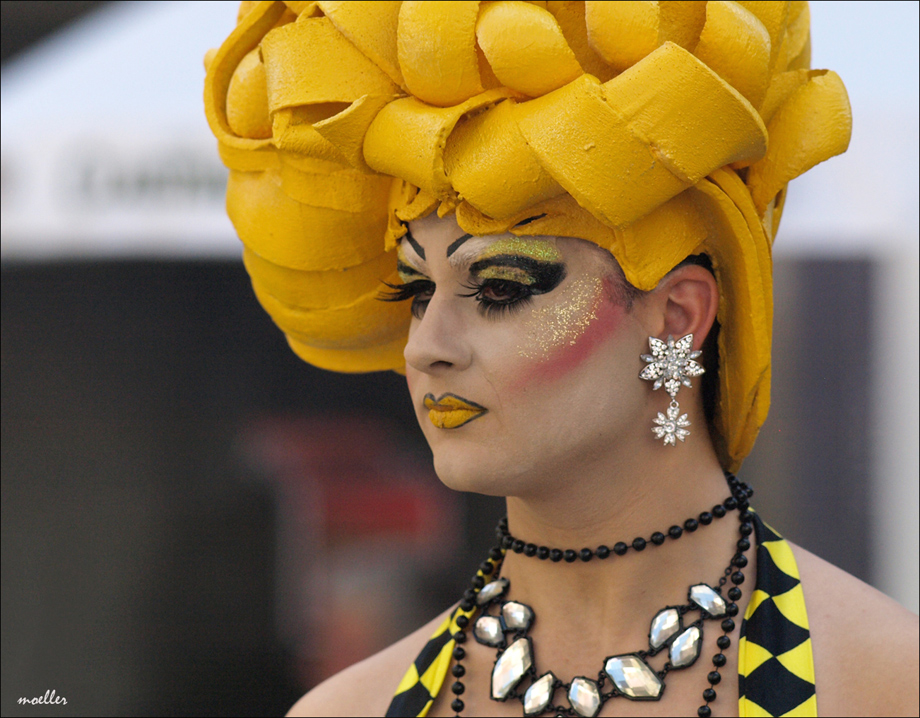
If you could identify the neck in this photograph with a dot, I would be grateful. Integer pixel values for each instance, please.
(605, 606)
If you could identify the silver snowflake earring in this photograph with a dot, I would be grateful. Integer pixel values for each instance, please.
(671, 365)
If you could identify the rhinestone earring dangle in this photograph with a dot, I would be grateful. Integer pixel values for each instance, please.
(671, 365)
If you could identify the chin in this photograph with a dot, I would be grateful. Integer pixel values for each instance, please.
(472, 467)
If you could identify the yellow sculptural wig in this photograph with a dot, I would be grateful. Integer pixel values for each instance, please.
(657, 130)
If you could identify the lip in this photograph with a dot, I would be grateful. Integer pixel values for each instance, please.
(450, 411)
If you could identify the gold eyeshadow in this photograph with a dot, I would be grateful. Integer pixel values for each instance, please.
(537, 276)
(506, 273)
(542, 250)
(407, 273)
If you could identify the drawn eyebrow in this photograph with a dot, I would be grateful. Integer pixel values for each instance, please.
(419, 250)
(530, 219)
(456, 244)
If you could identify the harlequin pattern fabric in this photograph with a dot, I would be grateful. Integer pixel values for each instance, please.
(776, 675)
(655, 129)
(776, 672)
(422, 682)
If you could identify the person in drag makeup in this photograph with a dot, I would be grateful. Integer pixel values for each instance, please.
(556, 219)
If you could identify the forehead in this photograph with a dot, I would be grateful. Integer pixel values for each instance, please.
(433, 229)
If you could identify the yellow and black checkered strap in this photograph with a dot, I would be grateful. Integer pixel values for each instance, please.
(421, 683)
(775, 669)
(776, 673)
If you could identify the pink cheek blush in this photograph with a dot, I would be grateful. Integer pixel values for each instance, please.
(566, 336)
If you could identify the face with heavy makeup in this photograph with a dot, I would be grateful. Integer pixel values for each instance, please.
(522, 358)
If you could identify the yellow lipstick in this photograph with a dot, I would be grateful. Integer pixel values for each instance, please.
(449, 411)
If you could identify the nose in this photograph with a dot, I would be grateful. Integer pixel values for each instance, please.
(437, 342)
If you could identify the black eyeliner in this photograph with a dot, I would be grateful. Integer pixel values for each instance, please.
(407, 269)
(547, 275)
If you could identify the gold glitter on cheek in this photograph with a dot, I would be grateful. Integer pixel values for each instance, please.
(561, 323)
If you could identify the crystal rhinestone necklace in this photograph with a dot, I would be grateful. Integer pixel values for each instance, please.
(677, 630)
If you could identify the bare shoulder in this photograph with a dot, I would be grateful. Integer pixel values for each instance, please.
(366, 688)
(865, 644)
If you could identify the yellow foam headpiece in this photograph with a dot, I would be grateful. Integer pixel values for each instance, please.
(655, 129)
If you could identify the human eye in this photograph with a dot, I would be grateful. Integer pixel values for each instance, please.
(497, 296)
(413, 285)
(507, 283)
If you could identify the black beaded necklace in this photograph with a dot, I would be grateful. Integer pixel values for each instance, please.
(586, 697)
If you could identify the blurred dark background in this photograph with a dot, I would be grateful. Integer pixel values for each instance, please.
(24, 23)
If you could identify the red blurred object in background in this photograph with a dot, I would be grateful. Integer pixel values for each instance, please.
(361, 521)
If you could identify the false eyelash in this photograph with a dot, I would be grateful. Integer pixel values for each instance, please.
(402, 292)
(496, 308)
(521, 295)
(410, 290)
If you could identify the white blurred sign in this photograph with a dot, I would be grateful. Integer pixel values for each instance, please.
(105, 150)
(115, 195)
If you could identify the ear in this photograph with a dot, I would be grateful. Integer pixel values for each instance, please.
(686, 302)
